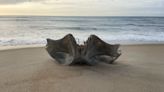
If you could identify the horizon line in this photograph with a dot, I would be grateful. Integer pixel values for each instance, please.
(84, 16)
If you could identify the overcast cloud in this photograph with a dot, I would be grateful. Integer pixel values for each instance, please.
(83, 7)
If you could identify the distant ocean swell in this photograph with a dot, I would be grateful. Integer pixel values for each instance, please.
(19, 30)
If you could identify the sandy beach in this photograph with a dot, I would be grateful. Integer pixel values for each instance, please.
(139, 69)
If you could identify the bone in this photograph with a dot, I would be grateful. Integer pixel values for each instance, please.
(67, 52)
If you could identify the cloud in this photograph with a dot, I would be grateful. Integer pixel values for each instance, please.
(83, 7)
(11, 1)
(17, 1)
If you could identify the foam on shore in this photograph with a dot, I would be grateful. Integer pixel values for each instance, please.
(20, 46)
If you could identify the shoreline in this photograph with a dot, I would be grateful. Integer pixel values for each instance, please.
(20, 46)
(8, 47)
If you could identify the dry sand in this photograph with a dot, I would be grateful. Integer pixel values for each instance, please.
(139, 69)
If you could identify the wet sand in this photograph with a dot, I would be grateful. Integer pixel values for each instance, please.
(139, 69)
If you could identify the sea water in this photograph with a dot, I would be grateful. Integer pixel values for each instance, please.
(25, 30)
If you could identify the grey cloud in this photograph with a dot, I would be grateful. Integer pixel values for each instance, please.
(16, 1)
(12, 1)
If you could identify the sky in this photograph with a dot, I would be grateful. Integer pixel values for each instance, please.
(82, 7)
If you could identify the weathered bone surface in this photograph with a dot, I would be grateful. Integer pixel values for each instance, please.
(66, 51)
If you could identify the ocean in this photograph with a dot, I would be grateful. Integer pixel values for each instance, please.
(29, 30)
